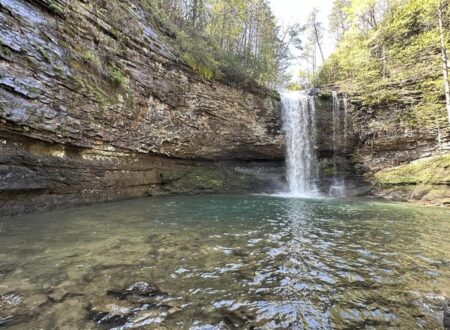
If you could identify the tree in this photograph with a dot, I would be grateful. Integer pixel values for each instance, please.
(339, 18)
(445, 62)
(234, 40)
(317, 30)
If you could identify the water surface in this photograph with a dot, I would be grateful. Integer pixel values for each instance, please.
(224, 262)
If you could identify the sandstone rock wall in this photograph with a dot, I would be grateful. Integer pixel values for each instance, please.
(392, 157)
(94, 110)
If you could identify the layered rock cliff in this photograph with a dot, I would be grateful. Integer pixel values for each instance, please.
(388, 156)
(91, 110)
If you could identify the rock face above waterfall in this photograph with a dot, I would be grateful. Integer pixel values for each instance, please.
(89, 111)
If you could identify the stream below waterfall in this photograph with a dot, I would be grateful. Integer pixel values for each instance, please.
(225, 262)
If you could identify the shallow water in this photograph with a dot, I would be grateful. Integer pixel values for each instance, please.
(227, 262)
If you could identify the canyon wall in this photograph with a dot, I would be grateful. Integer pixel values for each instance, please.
(92, 111)
(387, 155)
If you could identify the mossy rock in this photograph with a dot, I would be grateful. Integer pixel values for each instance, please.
(204, 179)
(434, 171)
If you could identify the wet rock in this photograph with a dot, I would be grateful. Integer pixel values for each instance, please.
(113, 313)
(138, 289)
(447, 315)
(237, 319)
(60, 294)
(141, 303)
(143, 289)
(314, 91)
(14, 306)
(10, 307)
(34, 302)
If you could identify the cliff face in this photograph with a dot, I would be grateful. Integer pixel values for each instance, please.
(385, 152)
(403, 163)
(91, 110)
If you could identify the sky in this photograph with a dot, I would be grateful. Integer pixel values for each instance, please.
(297, 11)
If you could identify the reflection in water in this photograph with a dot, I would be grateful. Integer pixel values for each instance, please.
(226, 262)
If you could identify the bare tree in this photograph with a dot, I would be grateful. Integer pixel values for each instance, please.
(445, 64)
(317, 31)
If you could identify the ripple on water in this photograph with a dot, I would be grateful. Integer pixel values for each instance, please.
(227, 262)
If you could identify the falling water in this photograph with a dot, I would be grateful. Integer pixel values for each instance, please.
(345, 101)
(300, 127)
(337, 187)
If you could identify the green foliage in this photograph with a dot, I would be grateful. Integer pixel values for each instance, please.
(231, 40)
(236, 41)
(117, 77)
(391, 56)
(194, 55)
(293, 86)
(91, 59)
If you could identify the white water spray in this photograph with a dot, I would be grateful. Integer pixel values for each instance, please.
(299, 117)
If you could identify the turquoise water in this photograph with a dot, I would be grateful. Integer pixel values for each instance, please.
(226, 262)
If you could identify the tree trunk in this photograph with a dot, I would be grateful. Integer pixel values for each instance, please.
(194, 12)
(444, 57)
(316, 33)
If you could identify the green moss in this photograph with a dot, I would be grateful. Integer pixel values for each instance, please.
(201, 178)
(5, 51)
(34, 90)
(48, 58)
(100, 96)
(59, 70)
(328, 171)
(206, 179)
(55, 7)
(90, 58)
(435, 170)
(117, 77)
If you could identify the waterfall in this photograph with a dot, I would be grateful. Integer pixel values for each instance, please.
(345, 101)
(337, 187)
(299, 121)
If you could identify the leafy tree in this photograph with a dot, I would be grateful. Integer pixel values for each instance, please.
(392, 49)
(233, 40)
(339, 18)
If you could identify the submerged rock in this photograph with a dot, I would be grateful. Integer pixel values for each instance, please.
(143, 289)
(238, 318)
(136, 290)
(105, 311)
(10, 307)
(447, 315)
(14, 306)
(139, 304)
